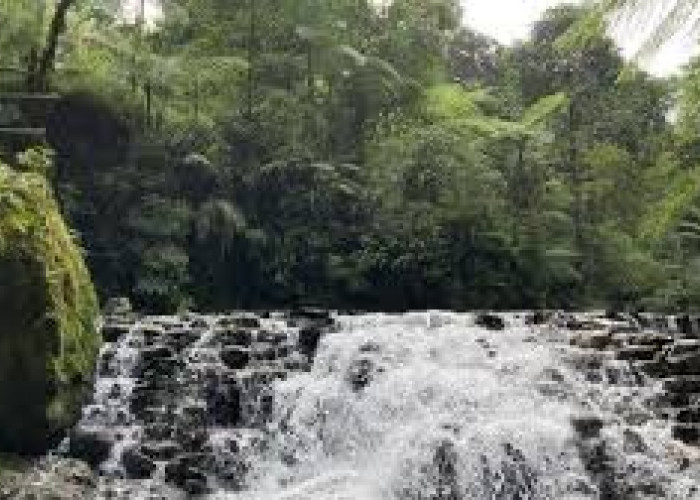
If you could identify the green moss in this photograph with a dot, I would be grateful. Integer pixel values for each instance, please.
(48, 337)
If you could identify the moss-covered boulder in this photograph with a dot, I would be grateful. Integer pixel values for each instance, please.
(48, 311)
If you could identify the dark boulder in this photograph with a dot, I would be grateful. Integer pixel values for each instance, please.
(161, 450)
(113, 332)
(320, 317)
(235, 337)
(235, 358)
(587, 426)
(92, 447)
(158, 431)
(247, 321)
(48, 333)
(537, 318)
(184, 474)
(137, 465)
(361, 373)
(490, 321)
(687, 433)
(309, 339)
(224, 403)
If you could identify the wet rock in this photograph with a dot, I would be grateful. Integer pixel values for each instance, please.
(113, 332)
(370, 346)
(582, 323)
(320, 317)
(683, 347)
(160, 451)
(490, 321)
(265, 353)
(143, 397)
(235, 337)
(687, 364)
(594, 339)
(633, 442)
(137, 465)
(156, 367)
(685, 325)
(309, 338)
(689, 415)
(266, 404)
(186, 476)
(105, 365)
(600, 464)
(117, 306)
(672, 400)
(91, 447)
(682, 384)
(637, 353)
(235, 358)
(156, 353)
(446, 462)
(180, 338)
(193, 439)
(241, 321)
(587, 426)
(224, 403)
(158, 431)
(687, 433)
(271, 337)
(199, 324)
(360, 373)
(658, 340)
(653, 368)
(539, 318)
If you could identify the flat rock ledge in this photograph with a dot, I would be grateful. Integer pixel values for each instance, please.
(663, 348)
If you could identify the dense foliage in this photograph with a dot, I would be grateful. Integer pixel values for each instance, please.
(259, 153)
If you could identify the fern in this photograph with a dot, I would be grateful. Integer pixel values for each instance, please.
(662, 217)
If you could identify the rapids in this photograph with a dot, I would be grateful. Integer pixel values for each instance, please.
(417, 406)
(454, 411)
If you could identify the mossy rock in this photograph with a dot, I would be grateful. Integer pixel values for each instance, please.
(48, 311)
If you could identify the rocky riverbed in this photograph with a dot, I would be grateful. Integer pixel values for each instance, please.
(307, 404)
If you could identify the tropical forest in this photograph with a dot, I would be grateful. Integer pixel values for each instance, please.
(349, 249)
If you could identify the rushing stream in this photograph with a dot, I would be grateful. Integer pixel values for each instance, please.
(419, 406)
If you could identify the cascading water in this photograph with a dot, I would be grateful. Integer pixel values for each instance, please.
(429, 406)
(419, 406)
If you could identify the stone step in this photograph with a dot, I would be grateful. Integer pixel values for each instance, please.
(688, 325)
(687, 433)
(637, 353)
(687, 364)
(687, 384)
(645, 338)
(682, 347)
(672, 400)
(653, 368)
(114, 331)
(595, 339)
(688, 415)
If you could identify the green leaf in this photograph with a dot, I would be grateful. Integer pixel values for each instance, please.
(544, 108)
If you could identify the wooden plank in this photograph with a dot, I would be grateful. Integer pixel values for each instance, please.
(22, 131)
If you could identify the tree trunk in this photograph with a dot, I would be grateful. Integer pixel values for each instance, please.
(252, 46)
(39, 79)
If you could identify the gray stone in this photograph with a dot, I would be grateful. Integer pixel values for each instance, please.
(137, 465)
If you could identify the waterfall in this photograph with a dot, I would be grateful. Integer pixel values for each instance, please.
(417, 406)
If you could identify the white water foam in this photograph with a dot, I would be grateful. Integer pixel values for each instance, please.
(452, 411)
